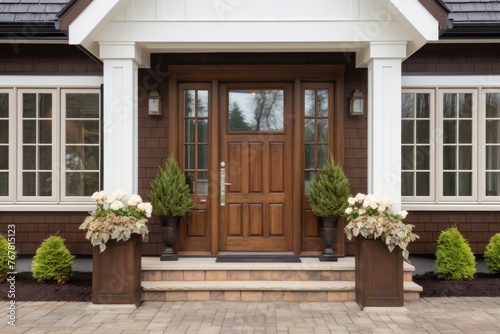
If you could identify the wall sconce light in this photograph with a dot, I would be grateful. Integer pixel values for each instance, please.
(154, 103)
(358, 105)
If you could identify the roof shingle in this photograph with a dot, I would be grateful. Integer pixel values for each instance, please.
(474, 12)
(30, 10)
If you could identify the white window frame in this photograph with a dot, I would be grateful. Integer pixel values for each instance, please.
(12, 155)
(12, 84)
(438, 83)
(432, 147)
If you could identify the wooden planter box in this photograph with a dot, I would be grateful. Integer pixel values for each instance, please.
(379, 274)
(116, 272)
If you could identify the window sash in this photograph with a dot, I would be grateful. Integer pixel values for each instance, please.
(431, 146)
(84, 172)
(485, 146)
(10, 171)
(443, 146)
(38, 171)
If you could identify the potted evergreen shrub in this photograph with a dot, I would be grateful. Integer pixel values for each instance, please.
(328, 194)
(171, 199)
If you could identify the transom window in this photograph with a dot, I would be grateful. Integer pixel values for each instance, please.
(450, 142)
(49, 145)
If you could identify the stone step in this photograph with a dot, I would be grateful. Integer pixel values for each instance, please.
(206, 269)
(331, 291)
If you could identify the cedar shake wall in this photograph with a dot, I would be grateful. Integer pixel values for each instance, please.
(476, 226)
(41, 59)
(34, 227)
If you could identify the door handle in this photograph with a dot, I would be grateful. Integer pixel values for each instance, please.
(223, 184)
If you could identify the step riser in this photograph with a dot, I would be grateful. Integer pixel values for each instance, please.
(252, 275)
(233, 296)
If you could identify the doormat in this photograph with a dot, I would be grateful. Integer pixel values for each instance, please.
(257, 258)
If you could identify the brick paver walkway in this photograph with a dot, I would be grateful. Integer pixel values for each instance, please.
(426, 315)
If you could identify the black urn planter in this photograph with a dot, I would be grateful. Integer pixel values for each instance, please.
(169, 232)
(328, 237)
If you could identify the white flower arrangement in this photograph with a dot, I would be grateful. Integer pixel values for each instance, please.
(116, 221)
(371, 217)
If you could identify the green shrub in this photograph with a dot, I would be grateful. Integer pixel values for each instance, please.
(454, 258)
(329, 191)
(492, 253)
(5, 257)
(53, 261)
(170, 195)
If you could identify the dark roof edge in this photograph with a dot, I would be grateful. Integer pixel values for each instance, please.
(473, 31)
(440, 12)
(70, 12)
(30, 31)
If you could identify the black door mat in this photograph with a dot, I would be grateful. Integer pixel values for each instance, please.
(257, 258)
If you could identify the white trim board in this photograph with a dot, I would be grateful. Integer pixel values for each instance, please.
(44, 81)
(449, 81)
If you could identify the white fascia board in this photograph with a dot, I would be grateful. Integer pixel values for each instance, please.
(122, 50)
(354, 32)
(451, 81)
(92, 19)
(416, 14)
(69, 81)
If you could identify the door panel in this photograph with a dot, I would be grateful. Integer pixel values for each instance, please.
(258, 158)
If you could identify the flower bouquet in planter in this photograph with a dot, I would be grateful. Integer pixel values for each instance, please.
(378, 270)
(112, 219)
(371, 217)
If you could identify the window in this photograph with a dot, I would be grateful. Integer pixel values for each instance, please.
(196, 139)
(256, 110)
(5, 160)
(49, 145)
(450, 146)
(316, 110)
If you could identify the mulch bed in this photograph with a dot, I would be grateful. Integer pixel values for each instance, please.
(483, 285)
(79, 287)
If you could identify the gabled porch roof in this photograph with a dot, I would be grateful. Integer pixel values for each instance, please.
(277, 26)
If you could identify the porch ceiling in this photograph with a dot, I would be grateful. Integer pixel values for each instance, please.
(236, 26)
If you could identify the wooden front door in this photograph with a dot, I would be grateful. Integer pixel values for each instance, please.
(256, 167)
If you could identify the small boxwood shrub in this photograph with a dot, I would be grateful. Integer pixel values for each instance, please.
(53, 261)
(492, 253)
(454, 258)
(4, 258)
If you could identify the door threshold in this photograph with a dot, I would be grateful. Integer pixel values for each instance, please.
(255, 253)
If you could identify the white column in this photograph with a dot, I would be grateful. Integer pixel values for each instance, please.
(120, 125)
(384, 120)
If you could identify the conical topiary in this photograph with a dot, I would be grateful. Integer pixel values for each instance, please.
(169, 191)
(53, 261)
(7, 258)
(454, 258)
(492, 253)
(329, 191)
